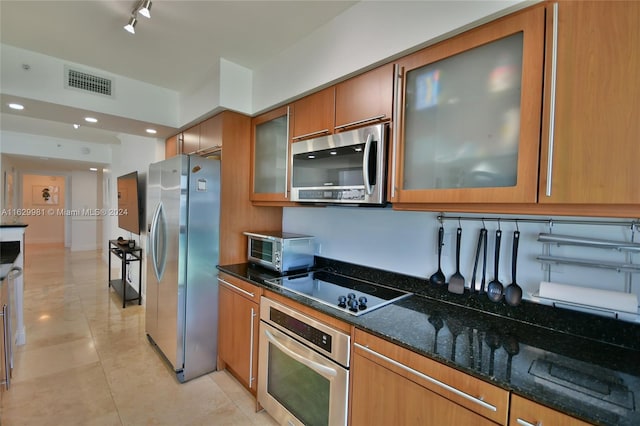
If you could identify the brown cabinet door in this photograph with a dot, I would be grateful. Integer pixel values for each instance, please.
(313, 115)
(238, 332)
(171, 146)
(365, 99)
(524, 411)
(191, 140)
(592, 154)
(210, 134)
(381, 397)
(473, 138)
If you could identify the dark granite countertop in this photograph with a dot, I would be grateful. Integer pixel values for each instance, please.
(12, 225)
(9, 251)
(583, 365)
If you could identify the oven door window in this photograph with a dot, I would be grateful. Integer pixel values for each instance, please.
(335, 167)
(301, 390)
(262, 250)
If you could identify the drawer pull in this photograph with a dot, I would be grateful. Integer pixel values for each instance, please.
(526, 423)
(458, 392)
(252, 295)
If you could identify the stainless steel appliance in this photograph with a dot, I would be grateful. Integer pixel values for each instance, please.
(183, 203)
(347, 167)
(348, 294)
(303, 368)
(281, 251)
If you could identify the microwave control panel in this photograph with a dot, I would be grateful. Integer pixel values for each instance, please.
(331, 194)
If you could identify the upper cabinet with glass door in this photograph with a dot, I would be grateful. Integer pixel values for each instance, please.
(469, 121)
(270, 157)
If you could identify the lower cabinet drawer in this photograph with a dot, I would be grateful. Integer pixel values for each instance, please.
(525, 412)
(460, 392)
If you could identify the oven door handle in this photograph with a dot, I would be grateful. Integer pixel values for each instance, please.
(327, 371)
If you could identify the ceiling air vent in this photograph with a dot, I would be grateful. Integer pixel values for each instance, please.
(88, 82)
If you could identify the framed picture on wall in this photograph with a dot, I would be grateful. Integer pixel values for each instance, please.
(44, 195)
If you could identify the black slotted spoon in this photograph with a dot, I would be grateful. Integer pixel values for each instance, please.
(495, 287)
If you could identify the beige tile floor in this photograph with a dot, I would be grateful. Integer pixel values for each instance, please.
(87, 361)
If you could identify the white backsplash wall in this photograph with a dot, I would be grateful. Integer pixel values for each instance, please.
(406, 242)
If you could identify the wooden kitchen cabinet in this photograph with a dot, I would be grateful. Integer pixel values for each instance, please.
(524, 412)
(469, 125)
(270, 162)
(590, 151)
(365, 99)
(239, 317)
(191, 140)
(392, 385)
(172, 146)
(210, 135)
(313, 115)
(237, 213)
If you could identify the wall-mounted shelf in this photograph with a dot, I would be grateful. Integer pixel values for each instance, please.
(589, 242)
(620, 267)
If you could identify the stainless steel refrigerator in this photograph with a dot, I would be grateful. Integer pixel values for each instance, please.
(183, 208)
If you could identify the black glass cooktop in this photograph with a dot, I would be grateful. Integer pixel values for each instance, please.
(348, 294)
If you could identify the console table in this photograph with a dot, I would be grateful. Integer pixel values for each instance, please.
(126, 255)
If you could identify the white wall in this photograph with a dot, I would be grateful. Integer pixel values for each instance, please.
(44, 81)
(84, 199)
(135, 153)
(406, 242)
(370, 32)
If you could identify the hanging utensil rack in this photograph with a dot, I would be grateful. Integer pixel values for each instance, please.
(628, 268)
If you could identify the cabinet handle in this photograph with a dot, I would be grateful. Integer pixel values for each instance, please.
(210, 149)
(251, 378)
(6, 336)
(365, 120)
(526, 423)
(318, 133)
(397, 74)
(552, 100)
(251, 295)
(286, 155)
(436, 382)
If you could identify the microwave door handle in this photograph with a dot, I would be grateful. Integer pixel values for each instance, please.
(365, 165)
(327, 371)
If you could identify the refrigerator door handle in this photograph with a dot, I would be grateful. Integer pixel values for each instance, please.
(158, 242)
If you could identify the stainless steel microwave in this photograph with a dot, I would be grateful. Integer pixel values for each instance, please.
(347, 167)
(281, 251)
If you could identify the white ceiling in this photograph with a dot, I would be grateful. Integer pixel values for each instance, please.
(178, 48)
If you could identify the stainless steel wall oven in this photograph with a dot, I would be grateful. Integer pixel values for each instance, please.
(303, 368)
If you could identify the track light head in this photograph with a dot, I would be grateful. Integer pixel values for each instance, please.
(145, 9)
(131, 26)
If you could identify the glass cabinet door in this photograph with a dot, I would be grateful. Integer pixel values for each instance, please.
(471, 115)
(270, 156)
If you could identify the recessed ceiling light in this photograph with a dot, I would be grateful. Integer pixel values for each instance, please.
(16, 106)
(93, 169)
(76, 126)
(151, 131)
(91, 120)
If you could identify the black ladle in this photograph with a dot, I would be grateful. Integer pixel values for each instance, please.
(513, 292)
(438, 277)
(495, 288)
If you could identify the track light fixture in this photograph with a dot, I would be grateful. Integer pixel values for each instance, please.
(143, 7)
(131, 26)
